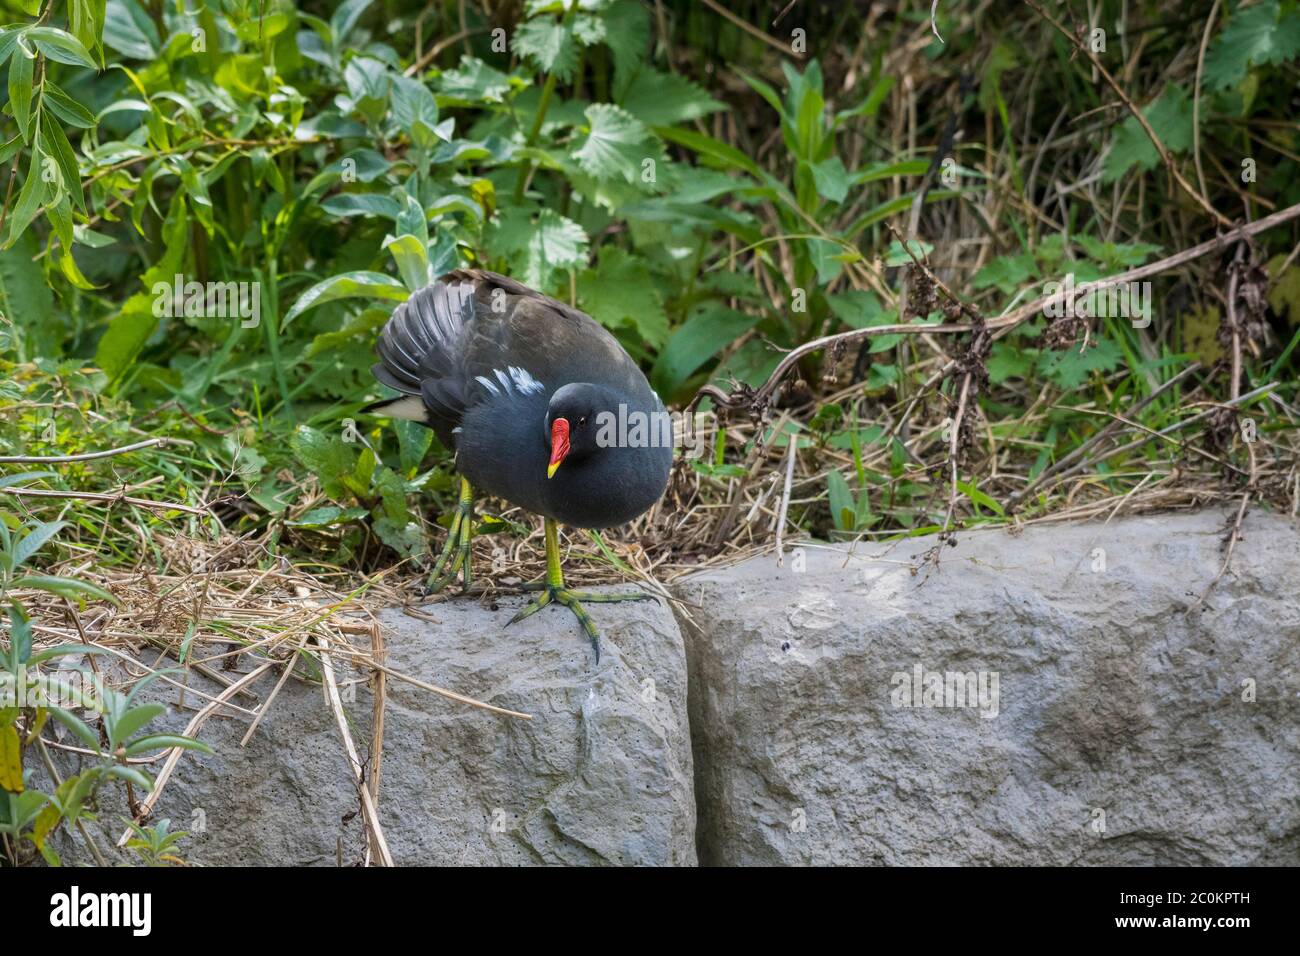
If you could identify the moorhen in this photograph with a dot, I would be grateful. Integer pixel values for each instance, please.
(543, 408)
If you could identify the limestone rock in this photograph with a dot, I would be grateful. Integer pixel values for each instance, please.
(1129, 726)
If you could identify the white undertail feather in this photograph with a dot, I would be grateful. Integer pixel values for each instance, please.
(409, 407)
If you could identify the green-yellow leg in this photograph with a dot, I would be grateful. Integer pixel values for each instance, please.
(456, 549)
(553, 591)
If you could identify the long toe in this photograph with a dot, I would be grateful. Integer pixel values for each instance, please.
(605, 597)
(570, 600)
(531, 608)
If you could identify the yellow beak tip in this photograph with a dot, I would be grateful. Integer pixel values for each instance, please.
(550, 470)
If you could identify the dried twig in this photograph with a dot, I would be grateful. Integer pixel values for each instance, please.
(90, 455)
(110, 498)
(1165, 156)
(757, 399)
(368, 809)
(175, 753)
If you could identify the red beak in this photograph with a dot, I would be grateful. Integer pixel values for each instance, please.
(559, 444)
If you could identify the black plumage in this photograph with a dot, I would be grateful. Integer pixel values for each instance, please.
(489, 364)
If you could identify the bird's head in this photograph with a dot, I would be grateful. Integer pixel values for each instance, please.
(572, 422)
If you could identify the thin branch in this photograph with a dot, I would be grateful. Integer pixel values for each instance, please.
(110, 498)
(759, 397)
(368, 808)
(750, 28)
(1165, 156)
(86, 456)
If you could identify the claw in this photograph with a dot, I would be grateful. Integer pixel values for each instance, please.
(532, 607)
(551, 590)
(570, 599)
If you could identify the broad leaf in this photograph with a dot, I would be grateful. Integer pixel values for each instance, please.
(369, 285)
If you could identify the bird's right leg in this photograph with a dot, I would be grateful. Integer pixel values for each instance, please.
(455, 555)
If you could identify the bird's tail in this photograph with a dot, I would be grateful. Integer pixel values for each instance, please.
(418, 343)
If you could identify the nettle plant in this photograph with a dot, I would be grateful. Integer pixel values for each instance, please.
(540, 156)
(30, 695)
(505, 162)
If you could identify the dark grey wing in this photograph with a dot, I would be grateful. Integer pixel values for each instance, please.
(419, 347)
(514, 327)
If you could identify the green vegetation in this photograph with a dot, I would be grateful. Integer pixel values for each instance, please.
(211, 208)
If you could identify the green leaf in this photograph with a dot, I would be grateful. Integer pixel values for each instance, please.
(1116, 256)
(1170, 117)
(65, 159)
(412, 260)
(537, 248)
(124, 727)
(620, 292)
(22, 477)
(870, 104)
(130, 31)
(345, 17)
(67, 109)
(613, 147)
(832, 179)
(548, 42)
(20, 90)
(331, 515)
(60, 46)
(473, 81)
(368, 82)
(1070, 368)
(362, 204)
(11, 760)
(63, 587)
(77, 726)
(325, 456)
(138, 777)
(843, 507)
(126, 335)
(696, 341)
(26, 299)
(415, 110)
(664, 99)
(1254, 36)
(627, 33)
(1007, 273)
(1009, 360)
(413, 442)
(9, 41)
(721, 154)
(370, 285)
(877, 171)
(30, 543)
(165, 742)
(981, 500)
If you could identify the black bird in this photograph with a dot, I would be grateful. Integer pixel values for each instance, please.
(543, 408)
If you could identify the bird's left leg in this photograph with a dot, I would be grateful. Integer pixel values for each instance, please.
(553, 591)
(455, 554)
